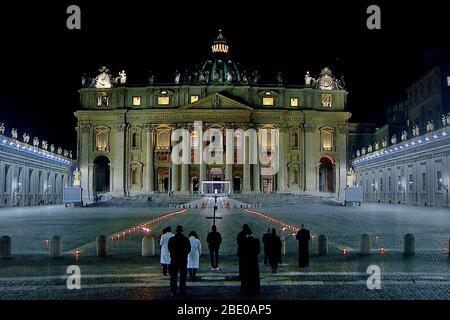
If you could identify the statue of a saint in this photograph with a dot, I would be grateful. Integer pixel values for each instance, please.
(229, 77)
(363, 151)
(351, 178)
(369, 148)
(26, 137)
(394, 139)
(444, 120)
(36, 142)
(177, 77)
(358, 153)
(52, 148)
(77, 178)
(415, 130)
(59, 151)
(123, 77)
(150, 78)
(280, 77)
(377, 145)
(430, 126)
(2, 128)
(14, 133)
(308, 79)
(404, 135)
(44, 145)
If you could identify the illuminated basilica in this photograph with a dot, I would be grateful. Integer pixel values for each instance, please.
(124, 130)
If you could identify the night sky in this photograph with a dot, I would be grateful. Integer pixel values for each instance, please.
(42, 61)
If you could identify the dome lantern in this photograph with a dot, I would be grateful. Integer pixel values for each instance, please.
(220, 44)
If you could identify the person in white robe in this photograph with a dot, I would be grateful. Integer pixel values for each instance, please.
(164, 245)
(194, 255)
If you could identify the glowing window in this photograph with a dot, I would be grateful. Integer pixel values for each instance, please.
(268, 101)
(163, 139)
(194, 99)
(294, 102)
(327, 141)
(194, 139)
(101, 139)
(163, 100)
(326, 100)
(136, 101)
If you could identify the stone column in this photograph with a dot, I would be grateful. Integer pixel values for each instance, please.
(246, 188)
(310, 147)
(85, 136)
(229, 157)
(2, 183)
(256, 178)
(174, 177)
(149, 169)
(119, 159)
(281, 175)
(185, 178)
(202, 164)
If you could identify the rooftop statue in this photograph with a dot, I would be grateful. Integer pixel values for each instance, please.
(280, 77)
(308, 79)
(26, 137)
(52, 148)
(14, 133)
(394, 139)
(36, 142)
(2, 128)
(229, 77)
(404, 135)
(59, 151)
(415, 130)
(122, 77)
(430, 126)
(44, 145)
(150, 77)
(177, 77)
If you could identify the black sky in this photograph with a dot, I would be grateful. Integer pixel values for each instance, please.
(42, 61)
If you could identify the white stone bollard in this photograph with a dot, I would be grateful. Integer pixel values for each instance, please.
(55, 247)
(409, 245)
(101, 246)
(5, 247)
(365, 244)
(148, 246)
(322, 245)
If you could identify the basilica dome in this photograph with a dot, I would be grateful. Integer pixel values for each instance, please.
(220, 67)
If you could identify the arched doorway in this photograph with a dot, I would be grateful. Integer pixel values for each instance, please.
(101, 174)
(326, 174)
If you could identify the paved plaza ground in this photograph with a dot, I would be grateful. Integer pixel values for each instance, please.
(124, 274)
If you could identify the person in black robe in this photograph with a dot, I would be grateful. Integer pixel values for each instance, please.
(265, 241)
(303, 237)
(250, 250)
(274, 250)
(179, 248)
(240, 237)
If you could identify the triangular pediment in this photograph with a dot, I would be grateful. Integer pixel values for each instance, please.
(217, 101)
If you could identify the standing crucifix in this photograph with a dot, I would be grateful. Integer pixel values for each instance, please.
(215, 208)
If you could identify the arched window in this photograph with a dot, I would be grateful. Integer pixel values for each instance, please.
(136, 140)
(326, 139)
(194, 139)
(163, 139)
(102, 139)
(294, 140)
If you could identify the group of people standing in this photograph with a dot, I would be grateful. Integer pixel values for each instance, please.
(181, 255)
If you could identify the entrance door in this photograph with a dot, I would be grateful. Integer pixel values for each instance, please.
(267, 184)
(326, 175)
(237, 184)
(101, 174)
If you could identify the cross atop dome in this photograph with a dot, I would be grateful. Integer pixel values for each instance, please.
(220, 44)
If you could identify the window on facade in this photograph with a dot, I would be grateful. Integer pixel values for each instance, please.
(136, 101)
(439, 180)
(194, 99)
(389, 184)
(135, 140)
(194, 140)
(103, 99)
(266, 138)
(101, 139)
(163, 139)
(136, 175)
(268, 101)
(327, 140)
(410, 182)
(294, 102)
(399, 184)
(294, 140)
(326, 100)
(373, 185)
(163, 100)
(424, 182)
(381, 184)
